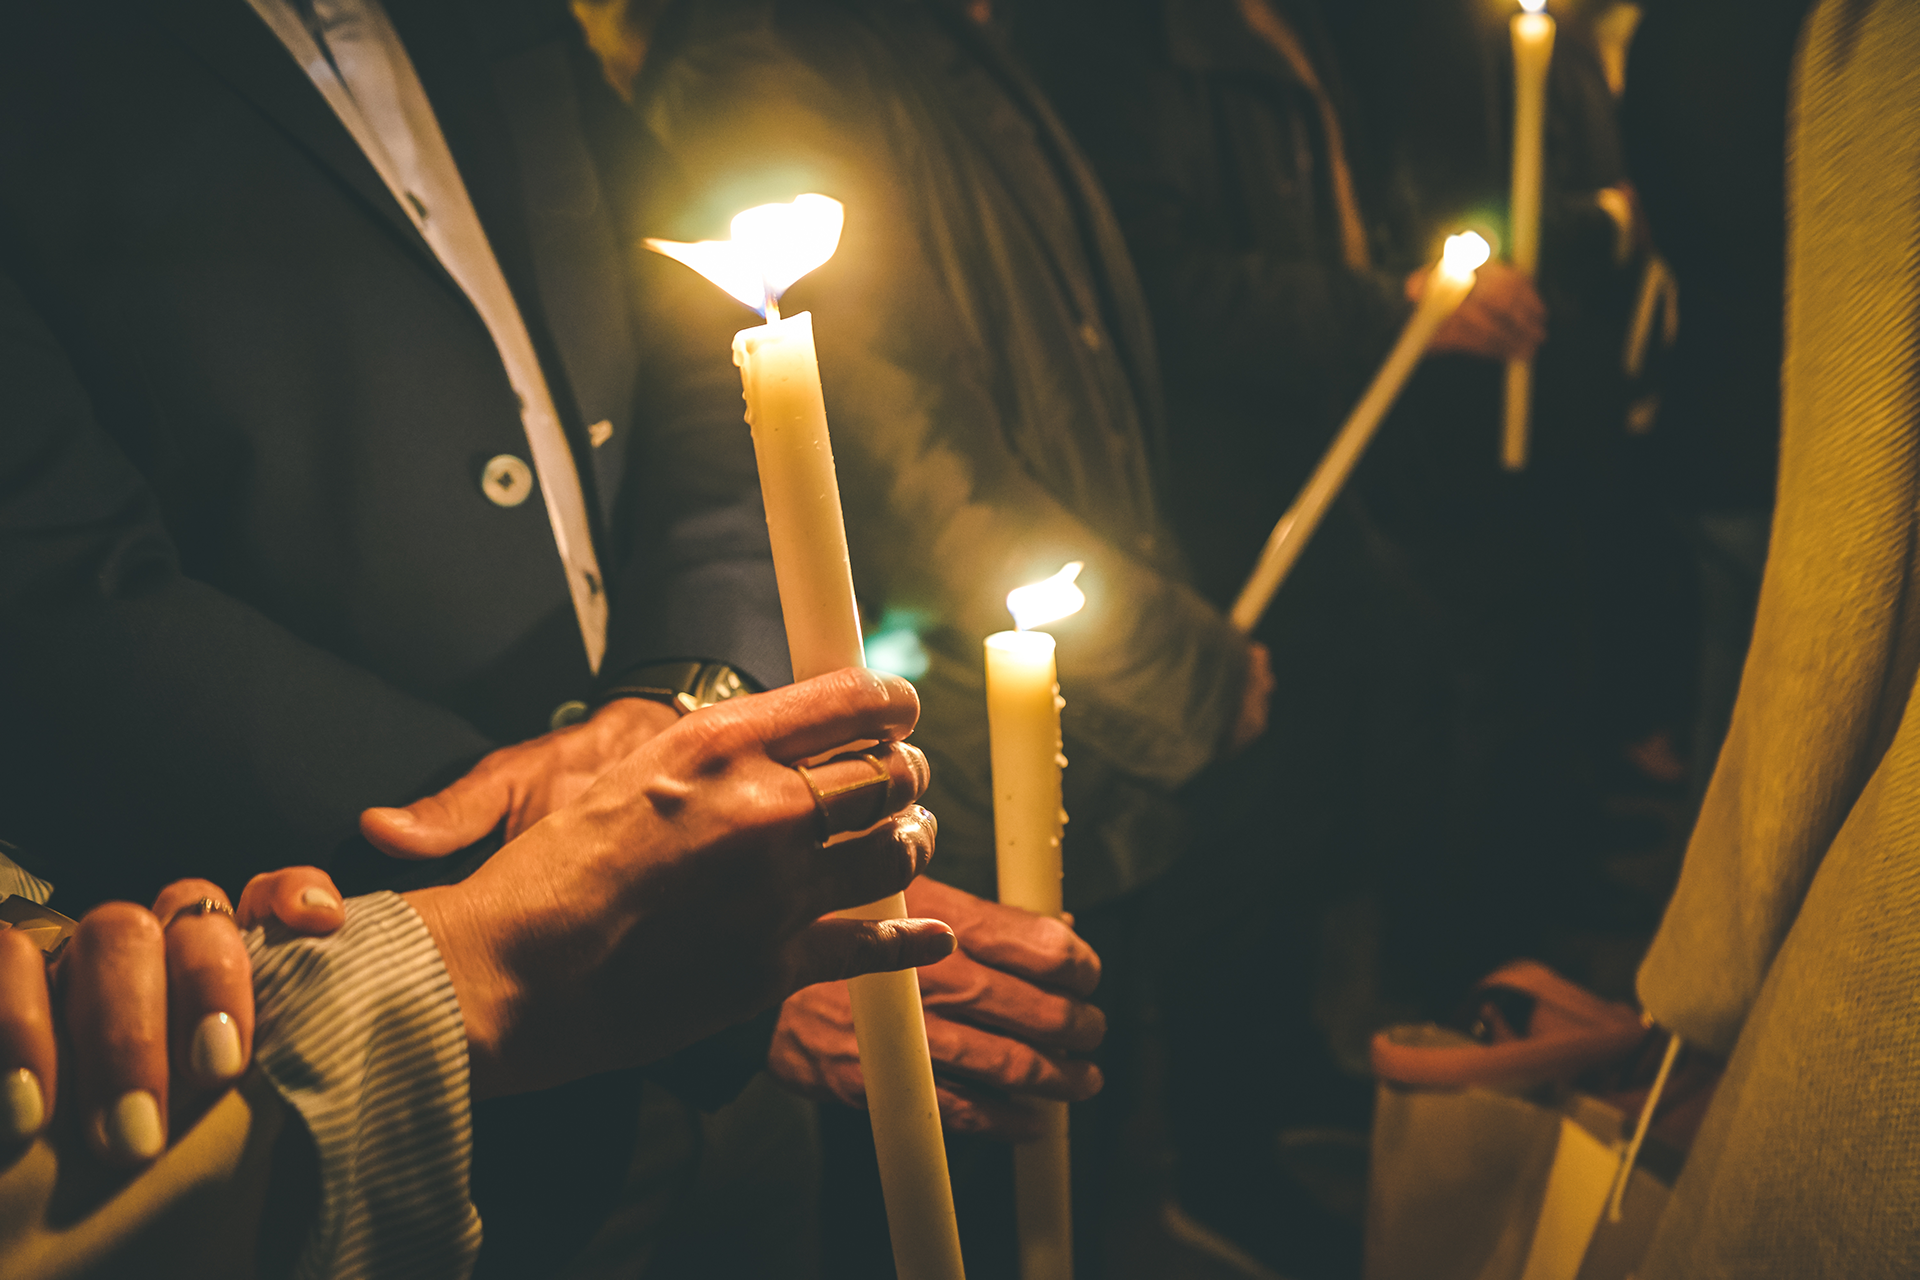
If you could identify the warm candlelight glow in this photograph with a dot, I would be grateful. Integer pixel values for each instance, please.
(1038, 603)
(1465, 254)
(773, 245)
(1533, 6)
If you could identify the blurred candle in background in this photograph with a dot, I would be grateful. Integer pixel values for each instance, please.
(1447, 287)
(772, 246)
(1023, 719)
(1532, 32)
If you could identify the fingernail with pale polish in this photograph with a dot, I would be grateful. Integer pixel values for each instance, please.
(130, 1129)
(216, 1051)
(23, 1107)
(319, 898)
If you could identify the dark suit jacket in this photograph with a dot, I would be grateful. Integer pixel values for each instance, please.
(250, 582)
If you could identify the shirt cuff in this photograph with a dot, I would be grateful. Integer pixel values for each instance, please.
(361, 1034)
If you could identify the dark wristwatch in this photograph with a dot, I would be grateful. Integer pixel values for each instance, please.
(683, 685)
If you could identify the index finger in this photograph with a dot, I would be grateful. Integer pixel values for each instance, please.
(802, 720)
(27, 1054)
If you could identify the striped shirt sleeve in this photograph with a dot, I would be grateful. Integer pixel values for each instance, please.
(361, 1034)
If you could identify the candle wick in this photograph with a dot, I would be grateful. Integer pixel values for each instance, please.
(772, 311)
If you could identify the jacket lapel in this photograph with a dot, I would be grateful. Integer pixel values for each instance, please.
(230, 40)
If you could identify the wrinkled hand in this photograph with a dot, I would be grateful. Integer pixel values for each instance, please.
(520, 784)
(1255, 696)
(1502, 318)
(1002, 1014)
(157, 1011)
(685, 890)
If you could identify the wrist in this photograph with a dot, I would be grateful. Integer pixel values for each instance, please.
(634, 720)
(482, 985)
(683, 684)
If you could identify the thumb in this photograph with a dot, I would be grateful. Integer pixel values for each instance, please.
(443, 823)
(833, 948)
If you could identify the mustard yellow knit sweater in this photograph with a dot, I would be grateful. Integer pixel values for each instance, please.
(1793, 941)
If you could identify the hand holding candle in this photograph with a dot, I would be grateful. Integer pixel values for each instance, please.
(1023, 717)
(1532, 33)
(772, 246)
(1447, 286)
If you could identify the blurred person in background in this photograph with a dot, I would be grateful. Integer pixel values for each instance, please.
(990, 375)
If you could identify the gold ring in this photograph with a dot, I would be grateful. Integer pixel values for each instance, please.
(201, 907)
(882, 777)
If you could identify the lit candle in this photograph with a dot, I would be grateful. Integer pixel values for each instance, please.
(1023, 720)
(1532, 51)
(772, 246)
(1447, 287)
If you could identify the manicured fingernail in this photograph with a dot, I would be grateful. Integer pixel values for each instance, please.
(130, 1129)
(23, 1107)
(216, 1051)
(398, 817)
(319, 898)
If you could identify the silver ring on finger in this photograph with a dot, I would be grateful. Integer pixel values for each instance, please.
(201, 907)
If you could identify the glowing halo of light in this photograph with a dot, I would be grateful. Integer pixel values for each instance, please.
(772, 246)
(1049, 600)
(1533, 6)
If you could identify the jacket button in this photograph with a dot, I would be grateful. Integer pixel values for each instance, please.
(506, 481)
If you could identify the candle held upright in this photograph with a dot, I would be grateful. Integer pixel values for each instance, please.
(1532, 32)
(772, 246)
(1023, 721)
(1447, 287)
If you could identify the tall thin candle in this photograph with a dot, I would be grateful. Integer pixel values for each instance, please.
(1023, 721)
(1447, 287)
(772, 246)
(1532, 33)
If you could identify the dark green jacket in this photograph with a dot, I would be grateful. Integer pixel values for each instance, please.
(991, 382)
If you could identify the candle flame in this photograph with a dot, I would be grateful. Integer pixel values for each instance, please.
(1533, 6)
(773, 245)
(1038, 603)
(1465, 254)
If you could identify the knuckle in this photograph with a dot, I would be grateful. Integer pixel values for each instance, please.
(116, 924)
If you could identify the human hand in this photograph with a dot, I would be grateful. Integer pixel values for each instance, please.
(520, 784)
(1002, 1013)
(1255, 695)
(157, 1007)
(684, 891)
(1501, 319)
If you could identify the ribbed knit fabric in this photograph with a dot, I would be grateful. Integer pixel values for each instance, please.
(1794, 937)
(361, 1034)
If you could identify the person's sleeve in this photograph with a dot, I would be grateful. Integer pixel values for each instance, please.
(136, 697)
(943, 515)
(699, 581)
(360, 1033)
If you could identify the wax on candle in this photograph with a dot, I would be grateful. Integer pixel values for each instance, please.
(1447, 287)
(773, 246)
(1532, 33)
(1023, 720)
